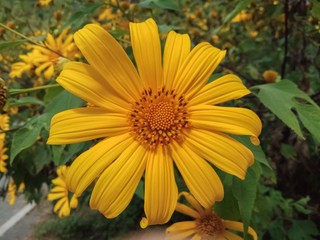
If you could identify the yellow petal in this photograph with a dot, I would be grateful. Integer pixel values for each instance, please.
(200, 178)
(90, 164)
(59, 182)
(239, 121)
(55, 196)
(85, 82)
(59, 204)
(231, 236)
(49, 72)
(181, 230)
(83, 124)
(147, 52)
(197, 68)
(161, 191)
(74, 201)
(186, 210)
(238, 226)
(107, 56)
(64, 210)
(193, 202)
(226, 88)
(221, 150)
(175, 52)
(57, 189)
(116, 185)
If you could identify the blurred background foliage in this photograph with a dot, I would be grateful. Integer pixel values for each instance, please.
(272, 45)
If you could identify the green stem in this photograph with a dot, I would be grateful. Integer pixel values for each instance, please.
(18, 91)
(20, 34)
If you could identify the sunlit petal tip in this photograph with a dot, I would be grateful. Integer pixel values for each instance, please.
(255, 140)
(144, 223)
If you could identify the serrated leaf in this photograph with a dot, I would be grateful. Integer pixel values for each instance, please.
(228, 207)
(25, 101)
(315, 11)
(284, 97)
(27, 135)
(7, 44)
(164, 4)
(310, 118)
(303, 229)
(256, 150)
(245, 192)
(63, 101)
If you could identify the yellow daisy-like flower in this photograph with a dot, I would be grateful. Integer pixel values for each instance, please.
(44, 2)
(206, 226)
(151, 119)
(60, 191)
(27, 65)
(3, 158)
(12, 195)
(4, 125)
(55, 55)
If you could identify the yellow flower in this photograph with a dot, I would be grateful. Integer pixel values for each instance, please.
(207, 225)
(25, 66)
(12, 192)
(61, 49)
(270, 76)
(150, 119)
(4, 125)
(241, 17)
(3, 157)
(60, 192)
(44, 2)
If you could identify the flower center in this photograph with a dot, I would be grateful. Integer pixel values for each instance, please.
(159, 118)
(209, 226)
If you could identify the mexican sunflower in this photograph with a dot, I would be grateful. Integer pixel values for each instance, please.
(60, 192)
(206, 226)
(151, 118)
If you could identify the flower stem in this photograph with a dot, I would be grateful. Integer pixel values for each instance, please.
(18, 91)
(20, 34)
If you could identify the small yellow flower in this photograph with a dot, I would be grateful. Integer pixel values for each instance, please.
(44, 3)
(56, 53)
(241, 17)
(12, 195)
(27, 64)
(270, 76)
(150, 119)
(4, 125)
(60, 193)
(207, 225)
(3, 157)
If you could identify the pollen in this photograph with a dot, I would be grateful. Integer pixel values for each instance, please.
(158, 118)
(209, 226)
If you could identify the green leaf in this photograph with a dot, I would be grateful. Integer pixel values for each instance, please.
(25, 101)
(228, 207)
(288, 151)
(310, 118)
(164, 4)
(7, 44)
(284, 97)
(303, 229)
(245, 192)
(315, 11)
(256, 150)
(240, 6)
(276, 230)
(41, 158)
(140, 190)
(57, 151)
(27, 135)
(63, 101)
